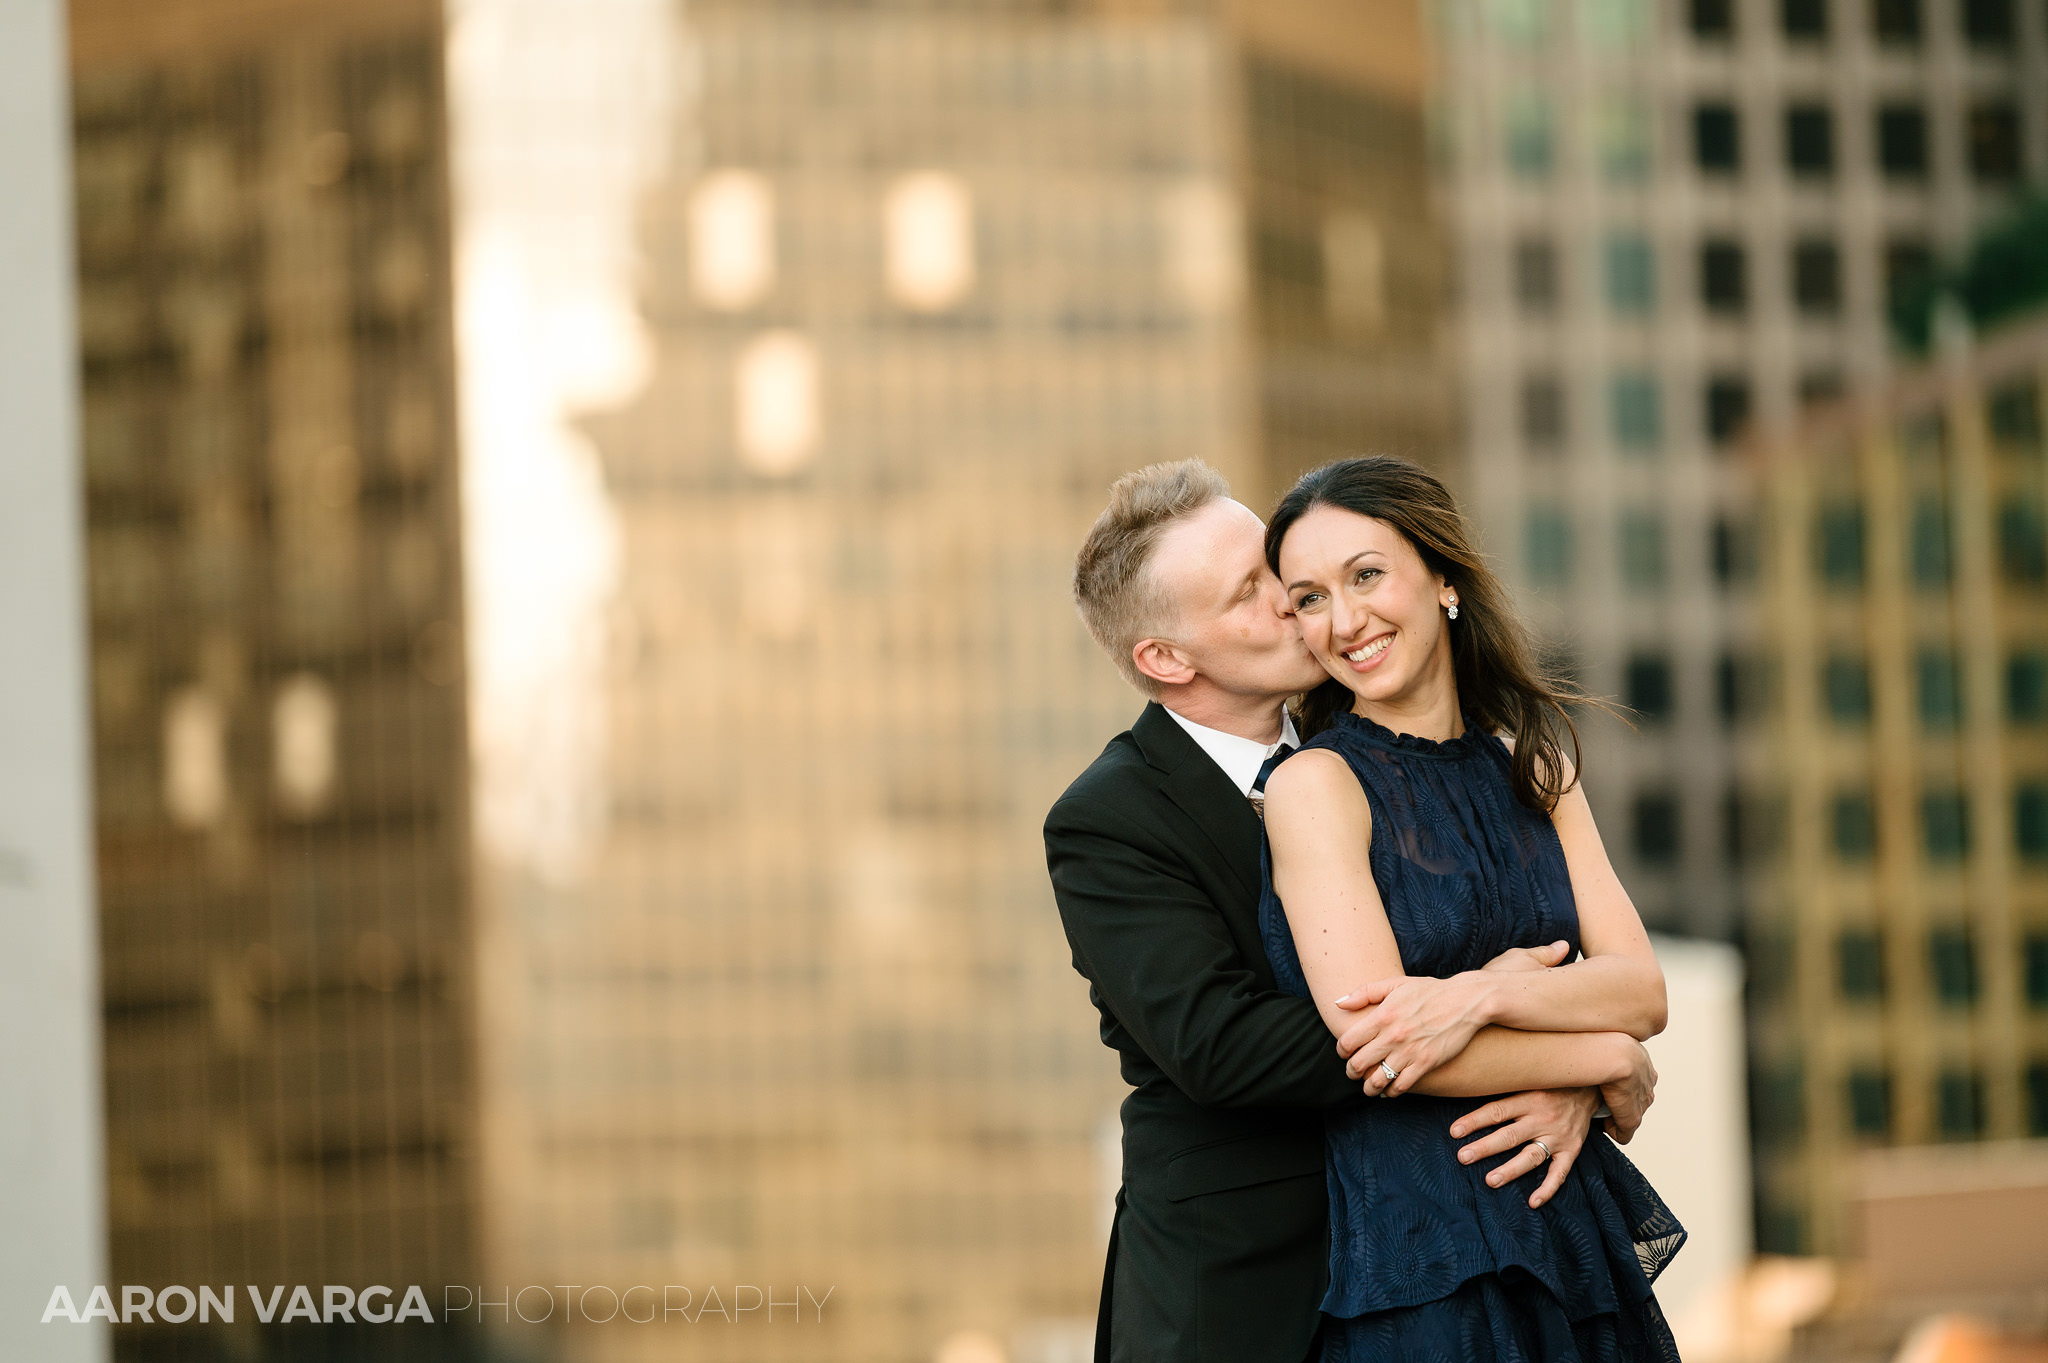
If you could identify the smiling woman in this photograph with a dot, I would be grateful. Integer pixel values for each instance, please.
(1431, 872)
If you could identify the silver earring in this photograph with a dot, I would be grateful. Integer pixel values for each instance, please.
(1453, 610)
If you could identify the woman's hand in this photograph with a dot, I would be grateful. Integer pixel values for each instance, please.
(1411, 1024)
(1559, 1118)
(1531, 958)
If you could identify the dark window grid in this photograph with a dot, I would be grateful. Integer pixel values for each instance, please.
(2030, 822)
(1959, 1105)
(1733, 546)
(1870, 1103)
(1716, 139)
(2012, 411)
(1994, 135)
(1895, 21)
(1952, 966)
(1711, 20)
(1945, 825)
(1845, 686)
(2022, 541)
(2036, 967)
(1852, 824)
(1742, 687)
(2026, 688)
(1647, 687)
(1838, 544)
(1543, 413)
(1927, 543)
(1659, 835)
(1727, 407)
(2037, 1098)
(1860, 964)
(1902, 141)
(1536, 275)
(1989, 23)
(1939, 684)
(1803, 20)
(1817, 277)
(1724, 277)
(1908, 266)
(1810, 140)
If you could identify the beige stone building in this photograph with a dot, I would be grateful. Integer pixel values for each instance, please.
(1900, 940)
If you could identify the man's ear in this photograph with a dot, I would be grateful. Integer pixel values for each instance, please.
(1162, 662)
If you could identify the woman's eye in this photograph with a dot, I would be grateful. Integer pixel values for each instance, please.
(1366, 574)
(1307, 600)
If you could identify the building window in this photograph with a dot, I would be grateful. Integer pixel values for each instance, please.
(1810, 140)
(2026, 688)
(1818, 386)
(1716, 139)
(1536, 276)
(1543, 414)
(1727, 407)
(1945, 825)
(1646, 686)
(1549, 547)
(1636, 412)
(2012, 412)
(1995, 141)
(1781, 1101)
(1927, 549)
(1817, 277)
(1642, 550)
(1895, 21)
(776, 396)
(1860, 956)
(2030, 821)
(732, 239)
(1624, 138)
(1804, 21)
(2022, 542)
(1853, 823)
(2037, 1098)
(1902, 141)
(2037, 969)
(1952, 959)
(1838, 541)
(1656, 826)
(1959, 1105)
(1724, 277)
(1732, 547)
(1631, 275)
(1529, 135)
(1941, 689)
(1908, 273)
(1870, 1103)
(1712, 20)
(928, 232)
(1845, 687)
(1988, 23)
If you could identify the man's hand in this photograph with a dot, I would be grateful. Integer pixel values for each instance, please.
(1531, 958)
(1630, 1096)
(1560, 1118)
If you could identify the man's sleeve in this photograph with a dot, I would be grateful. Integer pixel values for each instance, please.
(1161, 957)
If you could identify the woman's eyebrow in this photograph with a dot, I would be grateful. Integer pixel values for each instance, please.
(1306, 582)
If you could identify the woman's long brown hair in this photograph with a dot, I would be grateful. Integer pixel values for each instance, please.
(1501, 685)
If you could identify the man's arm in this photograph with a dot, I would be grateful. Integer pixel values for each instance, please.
(1159, 954)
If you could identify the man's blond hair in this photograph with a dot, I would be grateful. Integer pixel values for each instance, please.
(1119, 599)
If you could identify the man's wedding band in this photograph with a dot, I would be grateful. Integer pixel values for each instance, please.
(1546, 1149)
(1389, 1071)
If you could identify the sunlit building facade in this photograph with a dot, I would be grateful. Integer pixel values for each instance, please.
(278, 703)
(1900, 951)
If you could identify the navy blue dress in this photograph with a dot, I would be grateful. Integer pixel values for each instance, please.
(1426, 1262)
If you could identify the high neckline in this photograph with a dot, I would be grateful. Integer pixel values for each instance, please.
(1374, 732)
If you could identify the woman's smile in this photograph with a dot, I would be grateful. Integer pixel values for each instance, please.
(1367, 655)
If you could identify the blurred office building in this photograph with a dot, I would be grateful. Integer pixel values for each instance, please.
(1900, 956)
(631, 875)
(278, 707)
(1673, 221)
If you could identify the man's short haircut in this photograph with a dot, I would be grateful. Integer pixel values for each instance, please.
(1118, 598)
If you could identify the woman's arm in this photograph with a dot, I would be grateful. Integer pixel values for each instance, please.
(1319, 825)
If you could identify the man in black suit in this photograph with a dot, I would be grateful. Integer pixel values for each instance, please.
(1219, 1249)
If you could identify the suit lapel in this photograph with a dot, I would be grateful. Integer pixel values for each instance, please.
(1198, 787)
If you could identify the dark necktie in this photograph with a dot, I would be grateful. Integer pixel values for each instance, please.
(1258, 793)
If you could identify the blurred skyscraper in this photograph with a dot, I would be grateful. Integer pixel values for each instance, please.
(1673, 220)
(278, 706)
(1901, 964)
(796, 347)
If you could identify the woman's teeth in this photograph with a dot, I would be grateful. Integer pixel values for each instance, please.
(1371, 650)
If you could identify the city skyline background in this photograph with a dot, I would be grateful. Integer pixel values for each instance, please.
(578, 504)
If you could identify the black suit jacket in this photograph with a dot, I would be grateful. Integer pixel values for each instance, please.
(1220, 1245)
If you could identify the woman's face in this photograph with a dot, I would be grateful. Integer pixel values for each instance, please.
(1369, 610)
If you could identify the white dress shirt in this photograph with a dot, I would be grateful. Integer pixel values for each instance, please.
(1240, 758)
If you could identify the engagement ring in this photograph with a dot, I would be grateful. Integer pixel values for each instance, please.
(1389, 1071)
